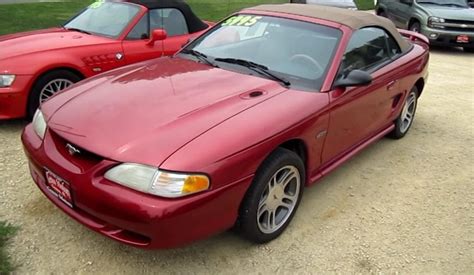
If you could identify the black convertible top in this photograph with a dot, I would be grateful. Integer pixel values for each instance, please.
(194, 23)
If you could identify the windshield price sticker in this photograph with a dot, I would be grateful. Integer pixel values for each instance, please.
(242, 20)
(96, 4)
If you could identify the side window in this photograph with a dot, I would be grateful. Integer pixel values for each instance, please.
(140, 31)
(172, 20)
(367, 49)
(393, 47)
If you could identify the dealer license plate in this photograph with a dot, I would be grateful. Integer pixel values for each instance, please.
(59, 187)
(462, 39)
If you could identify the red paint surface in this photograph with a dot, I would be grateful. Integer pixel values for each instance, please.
(31, 54)
(179, 115)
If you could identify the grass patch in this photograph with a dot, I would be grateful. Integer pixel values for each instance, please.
(24, 17)
(365, 4)
(7, 231)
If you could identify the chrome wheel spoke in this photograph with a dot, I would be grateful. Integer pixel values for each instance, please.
(53, 87)
(286, 177)
(271, 220)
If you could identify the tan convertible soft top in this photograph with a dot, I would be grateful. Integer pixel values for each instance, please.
(353, 19)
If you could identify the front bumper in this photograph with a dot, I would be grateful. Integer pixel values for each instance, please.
(13, 99)
(440, 37)
(123, 214)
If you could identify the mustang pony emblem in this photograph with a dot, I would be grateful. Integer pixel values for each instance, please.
(72, 150)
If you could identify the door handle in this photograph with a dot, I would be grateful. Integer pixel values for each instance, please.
(391, 85)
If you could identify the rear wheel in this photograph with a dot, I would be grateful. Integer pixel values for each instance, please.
(406, 117)
(273, 198)
(48, 85)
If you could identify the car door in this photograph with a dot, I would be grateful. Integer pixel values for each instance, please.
(401, 10)
(357, 113)
(136, 46)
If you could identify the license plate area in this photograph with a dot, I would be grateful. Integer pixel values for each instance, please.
(462, 39)
(59, 188)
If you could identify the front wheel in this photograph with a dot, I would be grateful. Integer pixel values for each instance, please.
(273, 198)
(406, 117)
(48, 85)
(415, 27)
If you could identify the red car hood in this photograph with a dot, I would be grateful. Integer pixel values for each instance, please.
(145, 113)
(45, 40)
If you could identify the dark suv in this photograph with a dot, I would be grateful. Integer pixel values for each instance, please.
(444, 22)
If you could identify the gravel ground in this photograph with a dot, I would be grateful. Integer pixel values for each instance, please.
(399, 206)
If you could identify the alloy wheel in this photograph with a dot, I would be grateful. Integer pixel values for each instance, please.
(279, 199)
(408, 112)
(53, 87)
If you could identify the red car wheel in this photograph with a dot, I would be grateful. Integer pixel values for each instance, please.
(48, 85)
(273, 198)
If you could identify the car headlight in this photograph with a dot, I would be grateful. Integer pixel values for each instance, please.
(435, 22)
(39, 124)
(151, 180)
(6, 80)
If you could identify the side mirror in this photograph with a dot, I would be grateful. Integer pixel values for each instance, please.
(354, 78)
(157, 35)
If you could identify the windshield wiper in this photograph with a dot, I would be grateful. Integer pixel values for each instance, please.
(199, 55)
(261, 69)
(77, 30)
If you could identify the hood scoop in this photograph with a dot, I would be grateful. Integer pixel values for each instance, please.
(252, 94)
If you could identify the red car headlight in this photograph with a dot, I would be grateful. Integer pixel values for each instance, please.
(39, 124)
(151, 180)
(6, 80)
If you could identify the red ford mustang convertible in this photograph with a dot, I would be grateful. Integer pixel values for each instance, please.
(230, 130)
(104, 36)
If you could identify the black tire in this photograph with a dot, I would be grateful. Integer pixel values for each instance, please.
(400, 130)
(41, 82)
(247, 223)
(415, 26)
(468, 50)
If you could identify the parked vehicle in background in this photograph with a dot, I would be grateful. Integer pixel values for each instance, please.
(444, 22)
(230, 130)
(106, 35)
(345, 4)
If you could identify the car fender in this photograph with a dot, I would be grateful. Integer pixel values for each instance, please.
(236, 148)
(419, 13)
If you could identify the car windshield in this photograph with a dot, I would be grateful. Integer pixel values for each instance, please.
(295, 53)
(104, 18)
(459, 3)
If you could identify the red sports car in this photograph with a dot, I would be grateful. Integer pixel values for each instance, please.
(105, 35)
(230, 130)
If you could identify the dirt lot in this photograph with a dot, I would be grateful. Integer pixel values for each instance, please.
(400, 206)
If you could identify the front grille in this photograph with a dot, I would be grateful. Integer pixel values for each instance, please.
(458, 25)
(83, 158)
